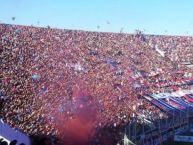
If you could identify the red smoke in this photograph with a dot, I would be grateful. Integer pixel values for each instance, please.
(80, 129)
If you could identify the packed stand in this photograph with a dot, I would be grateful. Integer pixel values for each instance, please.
(41, 68)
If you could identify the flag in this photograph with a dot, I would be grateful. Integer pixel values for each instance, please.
(189, 83)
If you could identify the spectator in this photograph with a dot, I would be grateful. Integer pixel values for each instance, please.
(3, 143)
(13, 142)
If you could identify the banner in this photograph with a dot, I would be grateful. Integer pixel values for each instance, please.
(8, 134)
(183, 138)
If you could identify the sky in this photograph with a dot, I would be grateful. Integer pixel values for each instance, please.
(165, 17)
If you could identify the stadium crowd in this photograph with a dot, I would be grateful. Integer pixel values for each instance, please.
(40, 69)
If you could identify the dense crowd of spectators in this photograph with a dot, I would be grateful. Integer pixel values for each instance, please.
(40, 69)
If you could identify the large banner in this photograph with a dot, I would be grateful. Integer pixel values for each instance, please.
(181, 138)
(8, 134)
